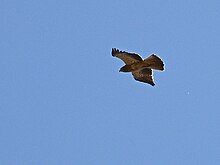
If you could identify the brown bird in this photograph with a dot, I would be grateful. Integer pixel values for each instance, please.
(140, 69)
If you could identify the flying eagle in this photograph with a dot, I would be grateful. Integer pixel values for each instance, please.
(140, 69)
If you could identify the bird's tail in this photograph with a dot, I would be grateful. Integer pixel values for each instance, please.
(154, 62)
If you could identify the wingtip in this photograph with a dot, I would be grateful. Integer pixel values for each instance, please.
(113, 51)
(151, 83)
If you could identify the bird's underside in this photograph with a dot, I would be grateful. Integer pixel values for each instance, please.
(141, 69)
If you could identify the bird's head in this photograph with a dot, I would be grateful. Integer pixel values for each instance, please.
(125, 68)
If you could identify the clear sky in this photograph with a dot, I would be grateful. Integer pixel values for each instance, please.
(63, 101)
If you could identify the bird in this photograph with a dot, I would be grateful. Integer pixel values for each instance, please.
(140, 69)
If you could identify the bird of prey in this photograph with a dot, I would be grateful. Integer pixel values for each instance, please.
(140, 69)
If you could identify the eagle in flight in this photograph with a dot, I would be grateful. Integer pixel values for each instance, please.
(140, 69)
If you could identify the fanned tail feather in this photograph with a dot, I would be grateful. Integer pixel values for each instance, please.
(154, 62)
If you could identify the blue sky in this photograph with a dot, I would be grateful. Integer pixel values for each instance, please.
(63, 100)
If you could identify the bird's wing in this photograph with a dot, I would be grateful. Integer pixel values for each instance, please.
(144, 75)
(128, 58)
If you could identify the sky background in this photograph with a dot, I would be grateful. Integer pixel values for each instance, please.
(63, 101)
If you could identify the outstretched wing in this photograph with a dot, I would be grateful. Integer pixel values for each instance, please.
(128, 58)
(144, 75)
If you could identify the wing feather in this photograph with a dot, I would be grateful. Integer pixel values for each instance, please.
(144, 75)
(128, 58)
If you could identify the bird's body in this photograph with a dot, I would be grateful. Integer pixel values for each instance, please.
(141, 69)
(136, 66)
